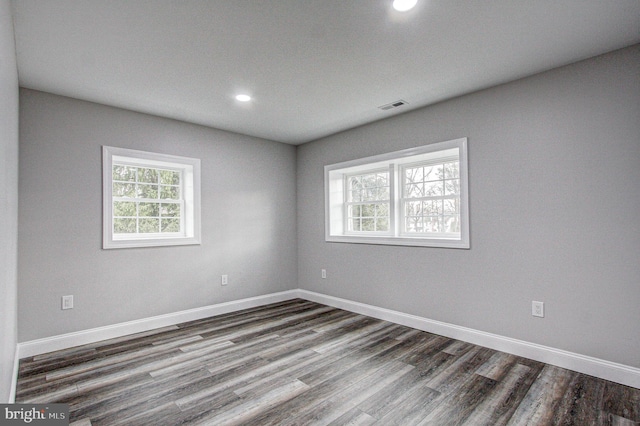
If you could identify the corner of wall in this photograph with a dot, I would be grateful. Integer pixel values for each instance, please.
(9, 204)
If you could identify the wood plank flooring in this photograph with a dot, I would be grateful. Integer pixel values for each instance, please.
(302, 363)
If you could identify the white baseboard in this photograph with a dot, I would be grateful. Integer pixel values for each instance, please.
(619, 373)
(64, 341)
(14, 378)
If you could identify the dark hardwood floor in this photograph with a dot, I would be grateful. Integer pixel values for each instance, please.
(301, 363)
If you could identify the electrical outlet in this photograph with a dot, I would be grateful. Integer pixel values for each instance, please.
(224, 280)
(67, 302)
(537, 309)
(323, 273)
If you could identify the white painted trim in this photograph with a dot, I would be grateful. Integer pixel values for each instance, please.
(619, 373)
(191, 195)
(14, 378)
(64, 341)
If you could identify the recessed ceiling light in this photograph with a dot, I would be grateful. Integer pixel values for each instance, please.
(243, 98)
(404, 5)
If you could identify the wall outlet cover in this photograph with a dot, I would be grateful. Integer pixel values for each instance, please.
(67, 302)
(537, 309)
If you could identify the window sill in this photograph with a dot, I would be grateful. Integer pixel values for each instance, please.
(152, 242)
(400, 241)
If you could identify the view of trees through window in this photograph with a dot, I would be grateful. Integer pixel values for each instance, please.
(146, 200)
(368, 202)
(431, 198)
(412, 197)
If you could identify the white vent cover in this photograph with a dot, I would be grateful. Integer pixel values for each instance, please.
(393, 105)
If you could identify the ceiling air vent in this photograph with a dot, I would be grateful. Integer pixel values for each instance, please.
(393, 105)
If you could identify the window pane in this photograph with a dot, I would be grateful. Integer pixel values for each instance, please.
(148, 210)
(432, 173)
(169, 177)
(354, 183)
(147, 175)
(368, 224)
(368, 187)
(414, 174)
(432, 224)
(368, 217)
(433, 189)
(124, 226)
(125, 173)
(170, 225)
(170, 210)
(413, 208)
(452, 186)
(369, 181)
(382, 210)
(415, 190)
(124, 190)
(354, 211)
(382, 224)
(368, 210)
(451, 223)
(377, 194)
(124, 208)
(413, 224)
(370, 194)
(169, 192)
(451, 205)
(383, 193)
(149, 225)
(148, 191)
(452, 170)
(432, 207)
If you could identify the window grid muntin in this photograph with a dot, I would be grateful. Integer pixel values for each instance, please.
(137, 183)
(350, 204)
(439, 218)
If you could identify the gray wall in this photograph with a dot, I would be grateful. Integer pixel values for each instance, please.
(8, 199)
(554, 165)
(248, 219)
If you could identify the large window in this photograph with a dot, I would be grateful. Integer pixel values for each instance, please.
(149, 199)
(416, 197)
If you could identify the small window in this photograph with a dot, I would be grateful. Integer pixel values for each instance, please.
(149, 199)
(416, 197)
(368, 204)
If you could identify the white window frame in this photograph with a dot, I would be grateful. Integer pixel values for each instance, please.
(189, 169)
(335, 191)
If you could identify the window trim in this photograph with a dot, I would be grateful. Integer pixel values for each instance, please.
(190, 198)
(335, 226)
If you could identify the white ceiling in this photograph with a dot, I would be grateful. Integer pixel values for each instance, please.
(314, 67)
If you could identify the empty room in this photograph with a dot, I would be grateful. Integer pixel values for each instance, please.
(297, 212)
